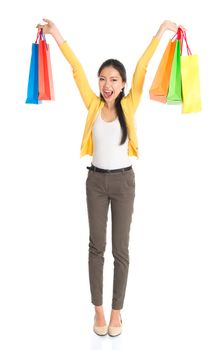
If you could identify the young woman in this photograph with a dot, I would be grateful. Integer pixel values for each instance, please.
(110, 137)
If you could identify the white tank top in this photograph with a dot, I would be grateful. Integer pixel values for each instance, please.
(107, 151)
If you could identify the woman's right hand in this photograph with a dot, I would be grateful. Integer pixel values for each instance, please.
(50, 28)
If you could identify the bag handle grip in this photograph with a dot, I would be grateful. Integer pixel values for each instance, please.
(40, 35)
(178, 35)
(181, 35)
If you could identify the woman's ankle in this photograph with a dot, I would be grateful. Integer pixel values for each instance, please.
(115, 317)
(99, 309)
(115, 313)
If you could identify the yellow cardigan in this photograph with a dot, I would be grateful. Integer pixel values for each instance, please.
(94, 103)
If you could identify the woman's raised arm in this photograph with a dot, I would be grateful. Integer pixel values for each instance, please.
(141, 67)
(78, 72)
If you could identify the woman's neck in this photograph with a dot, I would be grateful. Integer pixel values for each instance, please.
(110, 106)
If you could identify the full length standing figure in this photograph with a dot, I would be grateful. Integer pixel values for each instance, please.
(110, 138)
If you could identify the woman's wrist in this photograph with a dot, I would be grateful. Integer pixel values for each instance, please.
(160, 31)
(57, 36)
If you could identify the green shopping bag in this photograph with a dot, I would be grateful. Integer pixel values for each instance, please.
(175, 88)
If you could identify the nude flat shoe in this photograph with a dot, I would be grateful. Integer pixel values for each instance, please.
(115, 331)
(100, 330)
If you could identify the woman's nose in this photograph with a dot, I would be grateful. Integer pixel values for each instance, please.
(107, 84)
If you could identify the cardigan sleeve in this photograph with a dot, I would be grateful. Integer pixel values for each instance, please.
(140, 72)
(79, 75)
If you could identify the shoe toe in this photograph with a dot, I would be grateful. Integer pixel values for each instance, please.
(114, 331)
(101, 330)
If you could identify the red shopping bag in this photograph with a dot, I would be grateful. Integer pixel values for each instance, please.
(45, 77)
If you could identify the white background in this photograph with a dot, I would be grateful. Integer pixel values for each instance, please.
(174, 292)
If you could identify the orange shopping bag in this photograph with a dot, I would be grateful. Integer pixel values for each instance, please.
(45, 77)
(159, 88)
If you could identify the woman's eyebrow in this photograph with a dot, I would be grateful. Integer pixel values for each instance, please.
(113, 76)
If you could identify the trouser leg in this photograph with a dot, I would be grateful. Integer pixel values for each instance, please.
(121, 210)
(97, 204)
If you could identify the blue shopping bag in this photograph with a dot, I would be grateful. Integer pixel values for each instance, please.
(32, 90)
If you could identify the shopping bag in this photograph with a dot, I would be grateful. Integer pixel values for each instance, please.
(45, 78)
(175, 89)
(159, 88)
(190, 81)
(32, 90)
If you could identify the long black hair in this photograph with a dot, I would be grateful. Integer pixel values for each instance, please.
(121, 116)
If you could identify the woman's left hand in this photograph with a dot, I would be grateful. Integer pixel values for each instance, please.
(168, 25)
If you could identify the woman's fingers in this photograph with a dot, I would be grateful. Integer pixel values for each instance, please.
(47, 27)
(173, 26)
(48, 21)
(183, 28)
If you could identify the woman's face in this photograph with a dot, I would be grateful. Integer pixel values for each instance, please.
(110, 84)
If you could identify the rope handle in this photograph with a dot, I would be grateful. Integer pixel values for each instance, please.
(40, 35)
(184, 39)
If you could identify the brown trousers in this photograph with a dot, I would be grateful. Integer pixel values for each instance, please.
(118, 191)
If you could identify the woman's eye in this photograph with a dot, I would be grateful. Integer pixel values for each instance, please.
(101, 79)
(114, 79)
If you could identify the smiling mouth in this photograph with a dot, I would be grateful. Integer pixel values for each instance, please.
(107, 94)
